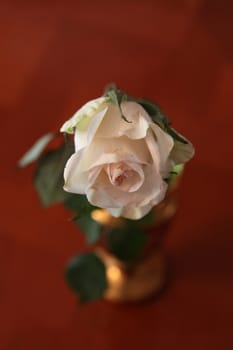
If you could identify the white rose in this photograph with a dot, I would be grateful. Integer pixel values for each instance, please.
(119, 165)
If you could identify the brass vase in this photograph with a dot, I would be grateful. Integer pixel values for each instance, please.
(146, 276)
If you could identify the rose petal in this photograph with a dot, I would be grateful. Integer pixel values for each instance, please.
(82, 117)
(153, 189)
(181, 153)
(153, 148)
(134, 113)
(104, 151)
(165, 143)
(75, 180)
(128, 177)
(103, 194)
(83, 138)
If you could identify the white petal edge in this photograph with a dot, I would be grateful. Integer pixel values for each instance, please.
(88, 110)
(181, 153)
(83, 138)
(136, 128)
(165, 143)
(75, 180)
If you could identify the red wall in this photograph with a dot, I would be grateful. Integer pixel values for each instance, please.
(56, 56)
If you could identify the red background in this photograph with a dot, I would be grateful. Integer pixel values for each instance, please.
(56, 55)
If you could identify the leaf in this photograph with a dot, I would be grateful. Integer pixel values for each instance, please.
(36, 150)
(155, 113)
(79, 204)
(82, 208)
(126, 243)
(117, 96)
(49, 175)
(76, 201)
(86, 276)
(90, 228)
(176, 171)
(176, 136)
(81, 211)
(159, 118)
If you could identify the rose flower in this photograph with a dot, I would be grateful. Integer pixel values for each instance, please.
(122, 157)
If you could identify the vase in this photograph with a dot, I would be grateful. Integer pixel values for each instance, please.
(147, 275)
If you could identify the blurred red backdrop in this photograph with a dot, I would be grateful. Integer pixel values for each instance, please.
(56, 55)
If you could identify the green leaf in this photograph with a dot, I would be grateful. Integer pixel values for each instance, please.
(49, 175)
(82, 208)
(126, 243)
(117, 96)
(90, 228)
(79, 204)
(155, 113)
(86, 276)
(159, 118)
(176, 171)
(176, 136)
(79, 214)
(36, 150)
(76, 201)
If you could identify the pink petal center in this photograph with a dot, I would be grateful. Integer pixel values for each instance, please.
(125, 177)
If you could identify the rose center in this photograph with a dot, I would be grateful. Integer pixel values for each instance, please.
(125, 177)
